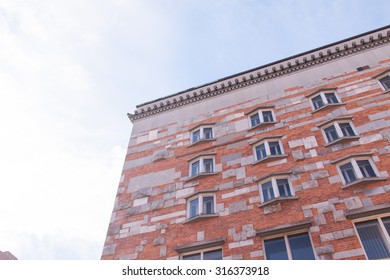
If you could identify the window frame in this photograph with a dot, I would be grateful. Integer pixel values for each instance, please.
(201, 128)
(260, 112)
(322, 94)
(359, 177)
(336, 122)
(383, 232)
(266, 141)
(201, 159)
(273, 177)
(380, 76)
(200, 215)
(285, 235)
(201, 252)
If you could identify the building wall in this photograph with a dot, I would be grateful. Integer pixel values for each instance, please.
(149, 216)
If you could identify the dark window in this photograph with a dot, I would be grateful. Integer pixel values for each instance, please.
(331, 133)
(385, 82)
(195, 168)
(267, 116)
(275, 148)
(331, 98)
(192, 257)
(366, 168)
(283, 187)
(346, 129)
(373, 240)
(348, 173)
(208, 165)
(208, 133)
(208, 205)
(275, 249)
(300, 246)
(195, 136)
(386, 223)
(260, 152)
(268, 192)
(255, 119)
(317, 102)
(194, 208)
(213, 255)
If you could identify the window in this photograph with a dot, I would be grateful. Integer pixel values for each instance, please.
(261, 116)
(275, 188)
(202, 133)
(338, 130)
(385, 81)
(375, 237)
(202, 165)
(202, 204)
(291, 247)
(355, 169)
(204, 255)
(323, 98)
(268, 148)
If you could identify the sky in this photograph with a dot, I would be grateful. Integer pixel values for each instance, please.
(71, 70)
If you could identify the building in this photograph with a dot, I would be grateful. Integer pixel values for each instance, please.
(7, 256)
(288, 160)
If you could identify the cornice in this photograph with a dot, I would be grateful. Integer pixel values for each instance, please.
(264, 73)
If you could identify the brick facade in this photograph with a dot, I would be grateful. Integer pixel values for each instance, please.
(150, 219)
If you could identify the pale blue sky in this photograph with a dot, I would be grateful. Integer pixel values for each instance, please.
(71, 70)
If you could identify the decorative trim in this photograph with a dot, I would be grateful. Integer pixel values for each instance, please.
(299, 62)
(201, 155)
(283, 228)
(200, 175)
(265, 138)
(351, 156)
(277, 200)
(363, 181)
(200, 192)
(202, 124)
(198, 245)
(200, 217)
(321, 90)
(203, 140)
(329, 105)
(260, 108)
(343, 140)
(262, 124)
(368, 211)
(341, 118)
(274, 174)
(269, 158)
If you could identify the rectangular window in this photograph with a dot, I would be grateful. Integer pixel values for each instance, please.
(208, 165)
(322, 99)
(276, 188)
(255, 119)
(205, 255)
(283, 187)
(385, 82)
(317, 102)
(196, 136)
(268, 192)
(194, 208)
(275, 148)
(208, 133)
(331, 98)
(267, 116)
(366, 168)
(195, 168)
(374, 236)
(348, 172)
(346, 129)
(331, 133)
(260, 152)
(208, 205)
(293, 247)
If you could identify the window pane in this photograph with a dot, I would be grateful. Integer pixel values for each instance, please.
(195, 168)
(284, 187)
(194, 204)
(347, 129)
(366, 168)
(192, 257)
(331, 133)
(385, 82)
(348, 173)
(267, 115)
(386, 222)
(260, 152)
(317, 102)
(268, 192)
(331, 98)
(208, 205)
(275, 249)
(373, 243)
(255, 119)
(208, 133)
(300, 246)
(275, 148)
(213, 255)
(195, 136)
(208, 165)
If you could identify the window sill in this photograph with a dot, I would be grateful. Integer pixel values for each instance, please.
(363, 181)
(343, 140)
(277, 199)
(327, 106)
(204, 140)
(201, 217)
(269, 158)
(263, 124)
(386, 91)
(201, 175)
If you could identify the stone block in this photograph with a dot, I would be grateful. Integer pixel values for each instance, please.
(231, 157)
(237, 207)
(228, 173)
(328, 249)
(113, 229)
(353, 203)
(339, 216)
(163, 251)
(159, 241)
(297, 155)
(310, 142)
(200, 236)
(129, 256)
(319, 219)
(157, 204)
(109, 250)
(327, 237)
(310, 184)
(240, 173)
(319, 174)
(140, 201)
(256, 254)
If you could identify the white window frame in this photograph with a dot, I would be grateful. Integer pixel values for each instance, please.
(201, 160)
(275, 188)
(381, 76)
(200, 197)
(260, 111)
(384, 233)
(358, 174)
(201, 252)
(201, 129)
(288, 248)
(339, 131)
(266, 142)
(322, 93)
